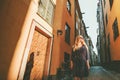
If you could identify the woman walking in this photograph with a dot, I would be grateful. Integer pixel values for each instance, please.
(79, 59)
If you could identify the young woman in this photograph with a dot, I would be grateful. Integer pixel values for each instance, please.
(79, 59)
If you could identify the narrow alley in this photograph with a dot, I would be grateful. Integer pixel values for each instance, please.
(95, 73)
(99, 73)
(56, 39)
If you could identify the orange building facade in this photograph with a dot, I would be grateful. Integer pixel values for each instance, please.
(26, 39)
(112, 28)
(64, 22)
(36, 37)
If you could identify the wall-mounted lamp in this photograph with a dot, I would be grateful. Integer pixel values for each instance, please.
(59, 32)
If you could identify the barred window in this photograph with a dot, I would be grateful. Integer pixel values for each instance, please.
(46, 10)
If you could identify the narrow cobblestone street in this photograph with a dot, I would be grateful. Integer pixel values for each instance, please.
(99, 73)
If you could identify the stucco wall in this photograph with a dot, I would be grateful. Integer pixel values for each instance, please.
(62, 16)
(114, 44)
(12, 16)
(16, 19)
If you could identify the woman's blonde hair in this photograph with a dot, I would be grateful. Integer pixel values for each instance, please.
(75, 46)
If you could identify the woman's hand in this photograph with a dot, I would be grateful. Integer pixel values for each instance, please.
(71, 64)
(88, 65)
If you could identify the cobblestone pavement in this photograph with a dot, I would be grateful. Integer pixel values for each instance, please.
(99, 73)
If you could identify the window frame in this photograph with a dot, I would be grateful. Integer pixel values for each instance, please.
(46, 11)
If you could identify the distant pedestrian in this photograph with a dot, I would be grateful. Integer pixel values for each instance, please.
(79, 59)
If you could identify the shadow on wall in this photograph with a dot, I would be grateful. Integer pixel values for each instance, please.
(29, 67)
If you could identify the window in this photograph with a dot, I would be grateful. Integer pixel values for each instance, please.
(67, 33)
(111, 3)
(115, 29)
(68, 5)
(108, 39)
(46, 10)
(106, 19)
(104, 2)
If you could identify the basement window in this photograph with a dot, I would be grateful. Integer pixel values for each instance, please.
(66, 57)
